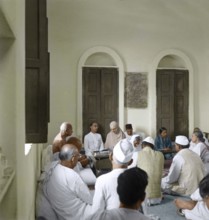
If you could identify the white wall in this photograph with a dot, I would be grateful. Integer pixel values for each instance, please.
(19, 201)
(137, 30)
(7, 118)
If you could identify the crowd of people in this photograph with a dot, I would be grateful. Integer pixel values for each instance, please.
(70, 188)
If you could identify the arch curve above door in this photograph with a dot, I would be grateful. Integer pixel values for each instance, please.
(88, 58)
(159, 62)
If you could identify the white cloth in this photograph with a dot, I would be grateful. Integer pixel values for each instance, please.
(43, 206)
(68, 194)
(105, 196)
(135, 157)
(128, 137)
(174, 171)
(182, 140)
(86, 173)
(185, 173)
(47, 156)
(200, 211)
(123, 151)
(202, 150)
(120, 214)
(93, 142)
(196, 195)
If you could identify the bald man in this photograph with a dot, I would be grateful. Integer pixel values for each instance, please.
(63, 187)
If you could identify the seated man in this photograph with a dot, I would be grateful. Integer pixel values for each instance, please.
(131, 190)
(84, 164)
(105, 196)
(83, 160)
(152, 162)
(129, 131)
(93, 140)
(198, 207)
(114, 136)
(136, 143)
(185, 172)
(68, 195)
(66, 130)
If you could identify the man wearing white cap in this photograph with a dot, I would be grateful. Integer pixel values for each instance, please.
(152, 162)
(105, 196)
(186, 170)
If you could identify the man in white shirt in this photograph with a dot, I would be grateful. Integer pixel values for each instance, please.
(131, 191)
(129, 131)
(93, 140)
(105, 196)
(185, 172)
(136, 143)
(68, 195)
(198, 206)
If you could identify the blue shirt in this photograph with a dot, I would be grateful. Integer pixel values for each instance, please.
(161, 143)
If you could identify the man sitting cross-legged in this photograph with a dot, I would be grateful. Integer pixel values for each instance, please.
(105, 196)
(68, 195)
(131, 190)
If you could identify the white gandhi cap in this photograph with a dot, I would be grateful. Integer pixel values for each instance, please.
(123, 151)
(182, 140)
(149, 140)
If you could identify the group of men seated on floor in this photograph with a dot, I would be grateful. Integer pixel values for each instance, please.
(134, 182)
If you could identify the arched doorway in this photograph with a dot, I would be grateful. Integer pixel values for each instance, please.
(152, 84)
(100, 64)
(172, 89)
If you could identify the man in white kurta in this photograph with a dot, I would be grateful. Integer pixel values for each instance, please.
(63, 187)
(105, 196)
(185, 172)
(198, 207)
(131, 190)
(93, 140)
(123, 214)
(200, 211)
(43, 206)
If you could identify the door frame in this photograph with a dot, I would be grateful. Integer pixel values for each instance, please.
(118, 64)
(153, 93)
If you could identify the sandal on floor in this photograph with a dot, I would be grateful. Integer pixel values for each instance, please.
(180, 212)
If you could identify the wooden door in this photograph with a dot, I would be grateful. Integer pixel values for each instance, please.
(100, 98)
(172, 101)
(36, 71)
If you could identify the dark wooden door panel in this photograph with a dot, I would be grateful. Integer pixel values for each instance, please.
(91, 96)
(100, 97)
(165, 111)
(37, 72)
(172, 101)
(181, 102)
(109, 96)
